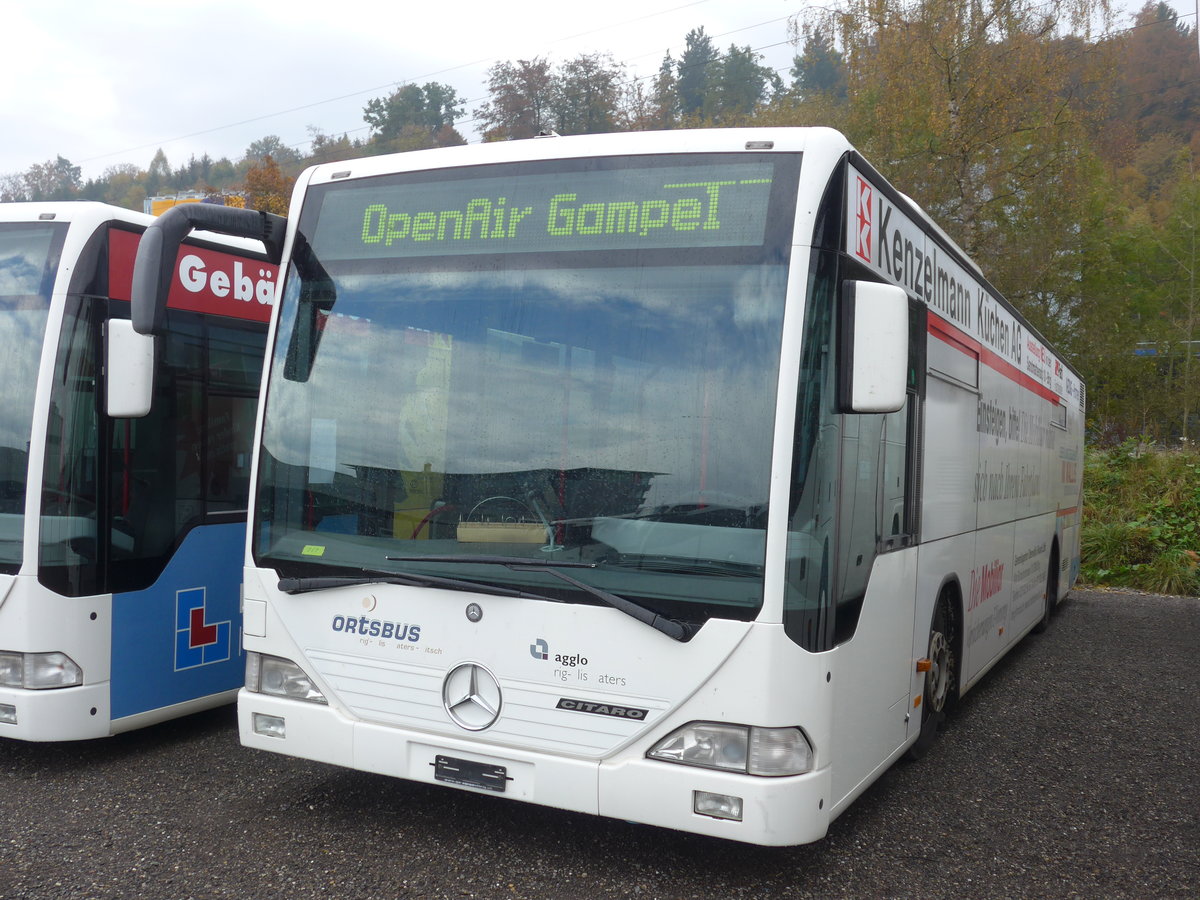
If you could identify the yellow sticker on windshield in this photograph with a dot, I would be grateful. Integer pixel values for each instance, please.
(312, 550)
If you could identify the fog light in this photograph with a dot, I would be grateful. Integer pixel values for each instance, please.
(269, 726)
(719, 806)
(8, 714)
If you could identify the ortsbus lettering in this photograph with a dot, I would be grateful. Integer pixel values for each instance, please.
(361, 625)
(195, 277)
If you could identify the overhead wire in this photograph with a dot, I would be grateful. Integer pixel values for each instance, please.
(395, 85)
(387, 85)
(1111, 33)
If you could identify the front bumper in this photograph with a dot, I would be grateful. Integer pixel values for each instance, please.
(776, 811)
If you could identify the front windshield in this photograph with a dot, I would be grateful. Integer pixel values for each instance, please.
(29, 254)
(610, 406)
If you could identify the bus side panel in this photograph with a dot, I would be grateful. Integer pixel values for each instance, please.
(180, 639)
(987, 600)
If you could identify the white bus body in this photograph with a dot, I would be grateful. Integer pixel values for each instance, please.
(731, 376)
(121, 539)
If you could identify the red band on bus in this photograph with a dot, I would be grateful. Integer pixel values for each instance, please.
(206, 281)
(960, 340)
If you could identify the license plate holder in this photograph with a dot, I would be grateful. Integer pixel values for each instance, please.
(468, 773)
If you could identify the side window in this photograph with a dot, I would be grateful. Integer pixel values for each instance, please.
(235, 361)
(809, 574)
(69, 553)
(899, 517)
(894, 484)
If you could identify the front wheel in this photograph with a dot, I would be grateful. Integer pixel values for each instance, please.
(939, 678)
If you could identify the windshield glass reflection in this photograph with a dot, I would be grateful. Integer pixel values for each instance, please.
(618, 415)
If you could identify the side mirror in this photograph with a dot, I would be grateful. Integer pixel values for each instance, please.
(874, 347)
(129, 366)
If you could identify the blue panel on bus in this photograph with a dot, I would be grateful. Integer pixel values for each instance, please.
(181, 639)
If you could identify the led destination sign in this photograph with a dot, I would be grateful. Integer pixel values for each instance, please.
(648, 207)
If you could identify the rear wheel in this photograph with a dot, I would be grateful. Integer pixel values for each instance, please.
(940, 678)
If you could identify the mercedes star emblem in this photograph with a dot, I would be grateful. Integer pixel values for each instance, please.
(471, 695)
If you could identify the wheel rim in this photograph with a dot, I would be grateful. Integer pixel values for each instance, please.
(937, 679)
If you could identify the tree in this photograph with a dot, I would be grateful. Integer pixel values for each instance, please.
(267, 187)
(325, 148)
(521, 100)
(738, 84)
(124, 185)
(587, 94)
(410, 109)
(819, 69)
(270, 146)
(665, 96)
(1175, 257)
(194, 174)
(158, 176)
(1159, 92)
(54, 179)
(12, 187)
(649, 103)
(695, 72)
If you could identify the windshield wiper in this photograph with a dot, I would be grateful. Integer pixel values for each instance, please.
(688, 567)
(679, 631)
(527, 561)
(325, 582)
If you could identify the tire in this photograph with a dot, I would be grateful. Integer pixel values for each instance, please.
(940, 680)
(1050, 600)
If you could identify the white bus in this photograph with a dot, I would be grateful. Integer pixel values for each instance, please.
(121, 539)
(682, 478)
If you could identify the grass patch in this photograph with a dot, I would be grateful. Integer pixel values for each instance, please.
(1141, 519)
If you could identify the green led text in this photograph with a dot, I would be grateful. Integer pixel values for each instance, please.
(482, 219)
(678, 208)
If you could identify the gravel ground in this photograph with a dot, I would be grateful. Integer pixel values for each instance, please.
(1068, 772)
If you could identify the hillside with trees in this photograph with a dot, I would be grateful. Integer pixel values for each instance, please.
(1058, 149)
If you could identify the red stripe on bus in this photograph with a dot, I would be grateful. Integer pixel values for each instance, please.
(235, 291)
(964, 343)
(1068, 512)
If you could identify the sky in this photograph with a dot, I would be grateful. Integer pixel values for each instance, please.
(105, 84)
(110, 83)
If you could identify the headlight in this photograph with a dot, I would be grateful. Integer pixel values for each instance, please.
(280, 678)
(12, 668)
(737, 748)
(38, 671)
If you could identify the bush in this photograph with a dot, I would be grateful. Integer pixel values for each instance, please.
(1141, 519)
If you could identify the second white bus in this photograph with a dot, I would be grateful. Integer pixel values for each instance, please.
(121, 535)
